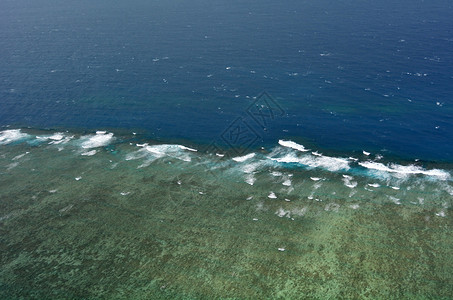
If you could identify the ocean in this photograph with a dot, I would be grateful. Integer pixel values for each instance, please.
(233, 150)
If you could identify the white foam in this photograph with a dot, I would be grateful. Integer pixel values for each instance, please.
(293, 145)
(100, 139)
(375, 185)
(244, 158)
(59, 138)
(20, 156)
(272, 195)
(187, 148)
(250, 179)
(56, 136)
(287, 182)
(89, 153)
(348, 181)
(250, 168)
(325, 162)
(151, 153)
(441, 214)
(401, 171)
(157, 150)
(11, 135)
(137, 154)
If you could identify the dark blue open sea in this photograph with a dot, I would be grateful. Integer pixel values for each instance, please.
(226, 149)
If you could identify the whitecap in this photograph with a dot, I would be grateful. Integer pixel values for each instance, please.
(441, 214)
(293, 145)
(57, 136)
(89, 153)
(54, 137)
(325, 162)
(100, 139)
(272, 195)
(401, 171)
(170, 150)
(287, 182)
(375, 185)
(244, 158)
(187, 148)
(11, 135)
(348, 181)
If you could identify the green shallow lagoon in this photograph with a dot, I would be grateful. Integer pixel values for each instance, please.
(124, 223)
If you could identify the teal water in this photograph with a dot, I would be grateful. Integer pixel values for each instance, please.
(100, 215)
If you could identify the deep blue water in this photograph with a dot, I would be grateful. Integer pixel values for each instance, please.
(349, 75)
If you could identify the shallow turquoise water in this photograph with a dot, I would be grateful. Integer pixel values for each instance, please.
(98, 216)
